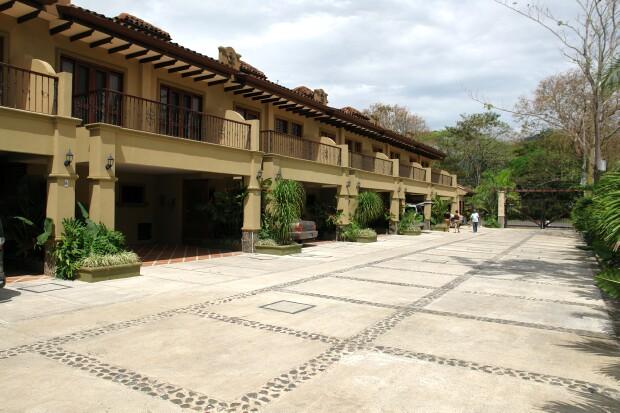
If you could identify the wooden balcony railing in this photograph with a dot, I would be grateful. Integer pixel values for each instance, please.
(441, 179)
(131, 112)
(412, 172)
(296, 147)
(370, 163)
(27, 90)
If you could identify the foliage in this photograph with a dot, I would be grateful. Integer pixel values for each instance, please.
(608, 280)
(439, 207)
(225, 212)
(397, 118)
(266, 242)
(82, 238)
(369, 208)
(109, 260)
(597, 217)
(409, 222)
(491, 222)
(284, 205)
(485, 198)
(353, 231)
(29, 241)
(476, 144)
(367, 233)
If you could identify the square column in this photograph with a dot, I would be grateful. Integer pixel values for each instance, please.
(101, 177)
(252, 205)
(501, 209)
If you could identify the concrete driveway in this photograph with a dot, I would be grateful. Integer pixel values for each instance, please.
(505, 320)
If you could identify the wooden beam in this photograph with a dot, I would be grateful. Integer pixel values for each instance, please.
(261, 97)
(192, 73)
(274, 99)
(7, 5)
(251, 94)
(204, 77)
(290, 105)
(232, 88)
(81, 35)
(179, 68)
(164, 64)
(119, 48)
(242, 91)
(98, 43)
(151, 58)
(28, 16)
(60, 28)
(218, 82)
(136, 54)
(279, 104)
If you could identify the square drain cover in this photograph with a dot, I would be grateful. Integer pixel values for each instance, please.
(290, 307)
(44, 288)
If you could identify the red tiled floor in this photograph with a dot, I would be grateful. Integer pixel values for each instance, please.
(159, 254)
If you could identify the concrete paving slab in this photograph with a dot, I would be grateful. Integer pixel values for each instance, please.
(328, 317)
(368, 382)
(507, 308)
(400, 276)
(448, 269)
(359, 290)
(546, 352)
(219, 359)
(33, 383)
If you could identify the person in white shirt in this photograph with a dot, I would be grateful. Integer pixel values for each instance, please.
(475, 219)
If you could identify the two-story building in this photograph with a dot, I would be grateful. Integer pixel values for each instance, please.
(112, 113)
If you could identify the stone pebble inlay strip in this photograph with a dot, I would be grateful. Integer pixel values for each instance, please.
(544, 300)
(370, 280)
(573, 384)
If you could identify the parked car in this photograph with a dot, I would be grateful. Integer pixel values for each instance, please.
(304, 230)
(2, 239)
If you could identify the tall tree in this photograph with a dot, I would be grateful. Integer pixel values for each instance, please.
(476, 144)
(591, 42)
(397, 118)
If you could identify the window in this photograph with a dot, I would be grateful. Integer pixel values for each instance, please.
(377, 149)
(292, 128)
(355, 147)
(281, 126)
(394, 155)
(96, 91)
(413, 159)
(248, 114)
(296, 129)
(133, 195)
(181, 113)
(1, 49)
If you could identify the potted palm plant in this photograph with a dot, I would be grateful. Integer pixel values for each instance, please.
(283, 207)
(410, 224)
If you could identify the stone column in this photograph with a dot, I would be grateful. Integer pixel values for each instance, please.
(394, 211)
(252, 205)
(501, 209)
(343, 201)
(427, 211)
(102, 179)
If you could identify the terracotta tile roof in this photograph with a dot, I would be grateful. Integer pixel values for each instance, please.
(354, 112)
(251, 70)
(304, 91)
(140, 25)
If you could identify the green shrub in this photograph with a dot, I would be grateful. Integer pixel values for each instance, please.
(267, 242)
(350, 232)
(369, 208)
(284, 205)
(609, 281)
(367, 233)
(438, 209)
(109, 260)
(409, 222)
(491, 222)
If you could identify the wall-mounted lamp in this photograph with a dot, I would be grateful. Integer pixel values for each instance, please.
(68, 157)
(358, 186)
(279, 174)
(349, 183)
(259, 174)
(109, 162)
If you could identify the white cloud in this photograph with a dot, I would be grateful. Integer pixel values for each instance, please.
(426, 55)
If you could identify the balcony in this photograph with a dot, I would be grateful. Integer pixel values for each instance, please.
(412, 172)
(296, 147)
(131, 112)
(438, 178)
(28, 90)
(370, 163)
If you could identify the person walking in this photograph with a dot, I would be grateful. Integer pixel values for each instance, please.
(456, 219)
(446, 220)
(475, 220)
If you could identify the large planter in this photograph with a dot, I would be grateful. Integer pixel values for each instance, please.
(440, 227)
(91, 275)
(411, 232)
(366, 239)
(278, 249)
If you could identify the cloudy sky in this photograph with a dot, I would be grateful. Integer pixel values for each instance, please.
(428, 55)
